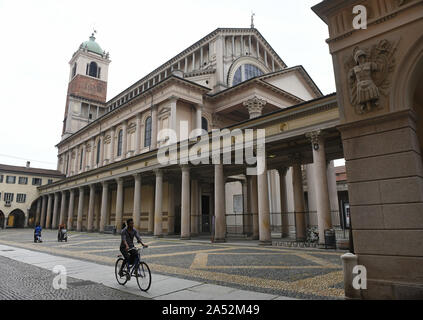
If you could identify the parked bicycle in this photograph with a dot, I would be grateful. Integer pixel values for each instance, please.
(137, 268)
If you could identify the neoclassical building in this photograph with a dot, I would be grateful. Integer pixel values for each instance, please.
(230, 79)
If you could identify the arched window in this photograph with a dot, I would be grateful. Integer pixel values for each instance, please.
(74, 70)
(147, 140)
(204, 124)
(246, 72)
(98, 150)
(119, 146)
(93, 69)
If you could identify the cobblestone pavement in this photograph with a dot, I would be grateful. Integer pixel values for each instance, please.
(297, 273)
(21, 281)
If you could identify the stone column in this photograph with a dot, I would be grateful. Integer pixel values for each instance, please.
(63, 208)
(104, 205)
(124, 139)
(80, 209)
(198, 116)
(299, 206)
(173, 124)
(93, 154)
(112, 145)
(43, 212)
(254, 220)
(38, 212)
(91, 208)
(263, 203)
(219, 198)
(136, 215)
(119, 204)
(171, 209)
(185, 204)
(71, 208)
(255, 107)
(138, 134)
(55, 210)
(245, 207)
(284, 202)
(333, 194)
(324, 220)
(194, 207)
(49, 211)
(151, 211)
(102, 148)
(153, 127)
(158, 205)
(76, 161)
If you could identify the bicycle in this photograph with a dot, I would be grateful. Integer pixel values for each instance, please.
(139, 269)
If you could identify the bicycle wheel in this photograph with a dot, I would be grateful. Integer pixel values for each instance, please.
(143, 275)
(121, 280)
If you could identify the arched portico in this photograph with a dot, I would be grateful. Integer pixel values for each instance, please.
(2, 220)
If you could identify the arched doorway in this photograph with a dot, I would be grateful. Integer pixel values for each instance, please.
(1, 219)
(32, 214)
(16, 219)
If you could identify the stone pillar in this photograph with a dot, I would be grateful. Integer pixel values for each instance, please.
(124, 139)
(194, 207)
(173, 124)
(171, 209)
(153, 127)
(255, 107)
(284, 202)
(151, 211)
(185, 204)
(112, 145)
(299, 206)
(43, 212)
(138, 134)
(158, 205)
(71, 208)
(198, 116)
(63, 208)
(102, 148)
(119, 204)
(136, 215)
(254, 207)
(263, 203)
(93, 154)
(38, 212)
(49, 211)
(55, 210)
(219, 204)
(91, 208)
(245, 207)
(80, 209)
(333, 194)
(320, 178)
(104, 206)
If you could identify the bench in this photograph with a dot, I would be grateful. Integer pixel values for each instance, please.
(110, 229)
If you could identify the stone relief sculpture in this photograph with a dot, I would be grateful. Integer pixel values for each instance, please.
(368, 75)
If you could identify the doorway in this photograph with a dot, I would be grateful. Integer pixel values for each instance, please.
(205, 214)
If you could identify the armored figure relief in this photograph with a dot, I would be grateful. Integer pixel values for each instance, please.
(368, 75)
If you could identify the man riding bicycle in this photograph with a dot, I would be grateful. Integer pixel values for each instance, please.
(127, 242)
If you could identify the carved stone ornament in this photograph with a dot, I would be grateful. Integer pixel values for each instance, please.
(369, 75)
(255, 107)
(314, 138)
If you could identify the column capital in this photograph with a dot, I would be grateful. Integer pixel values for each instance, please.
(255, 106)
(282, 171)
(92, 186)
(314, 137)
(119, 180)
(105, 184)
(185, 168)
(158, 172)
(81, 189)
(137, 175)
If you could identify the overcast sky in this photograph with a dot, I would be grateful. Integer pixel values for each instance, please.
(39, 37)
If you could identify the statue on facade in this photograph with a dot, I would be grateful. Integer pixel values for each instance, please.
(368, 72)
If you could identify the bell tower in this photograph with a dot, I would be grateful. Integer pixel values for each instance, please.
(87, 89)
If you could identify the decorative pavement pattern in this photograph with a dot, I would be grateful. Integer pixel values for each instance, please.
(296, 273)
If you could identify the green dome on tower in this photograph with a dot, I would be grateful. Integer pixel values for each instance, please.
(92, 46)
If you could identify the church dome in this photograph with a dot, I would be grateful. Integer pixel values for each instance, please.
(92, 46)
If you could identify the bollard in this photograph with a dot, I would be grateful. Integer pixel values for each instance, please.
(349, 261)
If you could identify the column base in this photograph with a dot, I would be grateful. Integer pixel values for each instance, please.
(185, 238)
(219, 240)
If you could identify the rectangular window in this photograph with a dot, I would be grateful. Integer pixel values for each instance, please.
(1, 178)
(50, 181)
(8, 197)
(238, 203)
(36, 181)
(10, 179)
(21, 198)
(23, 180)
